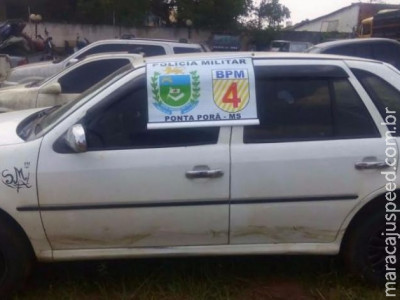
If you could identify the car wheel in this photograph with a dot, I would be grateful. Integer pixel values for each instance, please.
(364, 252)
(16, 258)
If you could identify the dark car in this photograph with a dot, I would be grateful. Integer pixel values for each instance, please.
(382, 49)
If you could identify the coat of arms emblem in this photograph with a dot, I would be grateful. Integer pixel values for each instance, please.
(175, 91)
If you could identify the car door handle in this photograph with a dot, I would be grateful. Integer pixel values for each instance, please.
(368, 165)
(204, 172)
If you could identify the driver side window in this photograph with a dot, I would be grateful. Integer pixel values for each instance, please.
(122, 124)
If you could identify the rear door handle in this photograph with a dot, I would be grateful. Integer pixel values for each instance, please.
(204, 172)
(368, 165)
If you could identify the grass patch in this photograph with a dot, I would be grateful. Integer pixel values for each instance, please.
(245, 277)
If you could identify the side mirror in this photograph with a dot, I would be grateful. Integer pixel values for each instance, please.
(76, 138)
(51, 89)
(71, 62)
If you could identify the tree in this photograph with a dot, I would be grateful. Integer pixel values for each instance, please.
(214, 14)
(271, 11)
(123, 12)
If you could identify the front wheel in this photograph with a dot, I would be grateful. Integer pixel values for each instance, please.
(365, 250)
(16, 257)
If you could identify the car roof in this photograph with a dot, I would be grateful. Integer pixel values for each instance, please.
(113, 55)
(254, 55)
(146, 41)
(354, 42)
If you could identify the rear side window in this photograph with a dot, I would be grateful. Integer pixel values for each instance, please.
(364, 51)
(147, 50)
(178, 50)
(382, 93)
(295, 109)
(341, 50)
(388, 53)
(87, 75)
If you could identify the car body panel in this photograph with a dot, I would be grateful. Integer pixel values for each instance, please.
(18, 163)
(127, 203)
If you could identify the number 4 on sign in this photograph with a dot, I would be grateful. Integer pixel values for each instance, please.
(231, 96)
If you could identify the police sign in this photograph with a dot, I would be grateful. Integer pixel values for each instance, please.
(201, 92)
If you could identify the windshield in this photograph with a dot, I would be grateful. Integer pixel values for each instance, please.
(44, 122)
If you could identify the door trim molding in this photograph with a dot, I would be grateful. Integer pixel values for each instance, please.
(182, 204)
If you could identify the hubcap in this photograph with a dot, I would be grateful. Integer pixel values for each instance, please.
(376, 251)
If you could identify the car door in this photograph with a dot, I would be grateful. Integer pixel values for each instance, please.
(76, 80)
(134, 187)
(297, 175)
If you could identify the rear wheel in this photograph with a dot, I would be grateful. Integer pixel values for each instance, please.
(16, 257)
(364, 251)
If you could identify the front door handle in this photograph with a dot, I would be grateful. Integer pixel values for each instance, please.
(368, 165)
(204, 172)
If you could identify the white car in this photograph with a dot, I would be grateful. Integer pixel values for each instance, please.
(90, 180)
(146, 47)
(66, 85)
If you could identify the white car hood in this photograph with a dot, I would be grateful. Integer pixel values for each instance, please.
(9, 123)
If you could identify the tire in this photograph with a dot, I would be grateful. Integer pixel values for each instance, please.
(364, 251)
(16, 257)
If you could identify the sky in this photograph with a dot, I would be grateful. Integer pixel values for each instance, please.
(311, 9)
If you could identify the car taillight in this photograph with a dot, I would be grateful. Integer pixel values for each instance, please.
(23, 62)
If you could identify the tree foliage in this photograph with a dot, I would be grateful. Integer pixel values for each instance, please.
(216, 14)
(209, 14)
(271, 11)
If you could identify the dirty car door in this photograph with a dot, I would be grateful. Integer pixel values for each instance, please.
(131, 188)
(295, 177)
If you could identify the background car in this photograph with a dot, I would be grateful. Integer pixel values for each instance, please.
(382, 49)
(66, 85)
(146, 47)
(288, 46)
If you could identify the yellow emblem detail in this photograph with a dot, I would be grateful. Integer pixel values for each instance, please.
(173, 70)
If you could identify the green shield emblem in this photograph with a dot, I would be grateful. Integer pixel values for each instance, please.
(175, 90)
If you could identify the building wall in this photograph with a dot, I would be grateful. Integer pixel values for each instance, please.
(69, 32)
(342, 21)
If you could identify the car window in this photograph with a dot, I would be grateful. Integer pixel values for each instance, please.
(341, 50)
(382, 93)
(80, 79)
(179, 50)
(291, 109)
(147, 50)
(122, 123)
(363, 50)
(388, 53)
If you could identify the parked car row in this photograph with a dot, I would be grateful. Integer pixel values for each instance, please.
(27, 86)
(201, 154)
(146, 47)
